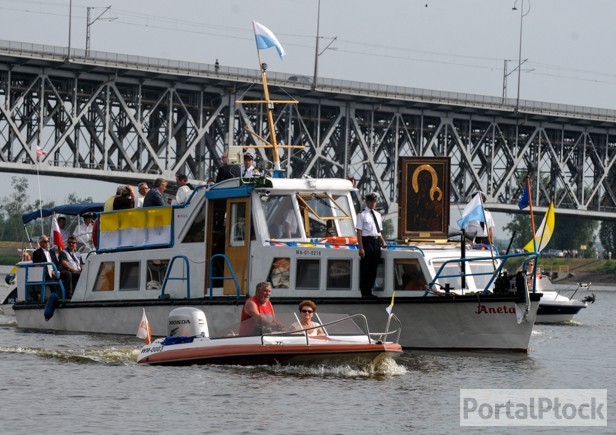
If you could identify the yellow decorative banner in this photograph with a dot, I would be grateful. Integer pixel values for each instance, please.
(137, 227)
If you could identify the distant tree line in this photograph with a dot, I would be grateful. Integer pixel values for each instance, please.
(569, 233)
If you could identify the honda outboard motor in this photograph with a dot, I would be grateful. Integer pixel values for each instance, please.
(187, 322)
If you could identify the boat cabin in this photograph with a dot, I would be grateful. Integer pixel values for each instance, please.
(298, 234)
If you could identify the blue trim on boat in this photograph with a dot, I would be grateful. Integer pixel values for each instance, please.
(230, 192)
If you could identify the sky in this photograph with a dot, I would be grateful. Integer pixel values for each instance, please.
(445, 45)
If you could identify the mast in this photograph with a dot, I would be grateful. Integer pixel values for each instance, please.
(269, 111)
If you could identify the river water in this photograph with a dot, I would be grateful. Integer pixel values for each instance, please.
(90, 384)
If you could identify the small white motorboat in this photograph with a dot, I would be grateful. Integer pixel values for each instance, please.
(343, 339)
(556, 307)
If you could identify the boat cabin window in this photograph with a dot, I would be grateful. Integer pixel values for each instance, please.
(308, 273)
(156, 271)
(450, 274)
(339, 274)
(281, 218)
(196, 232)
(238, 224)
(324, 215)
(280, 273)
(104, 280)
(408, 275)
(484, 268)
(129, 275)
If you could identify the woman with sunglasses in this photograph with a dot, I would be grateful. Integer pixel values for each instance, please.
(306, 313)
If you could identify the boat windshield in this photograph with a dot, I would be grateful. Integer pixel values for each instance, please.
(281, 217)
(308, 215)
(326, 215)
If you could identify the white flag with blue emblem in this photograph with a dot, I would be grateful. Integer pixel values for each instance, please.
(266, 39)
(472, 212)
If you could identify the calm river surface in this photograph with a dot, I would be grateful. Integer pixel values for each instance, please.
(75, 383)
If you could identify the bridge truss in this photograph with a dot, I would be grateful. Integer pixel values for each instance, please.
(115, 119)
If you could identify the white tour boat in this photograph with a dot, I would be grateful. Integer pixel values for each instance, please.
(299, 234)
(212, 251)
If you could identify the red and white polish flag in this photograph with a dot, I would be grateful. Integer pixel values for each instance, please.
(56, 235)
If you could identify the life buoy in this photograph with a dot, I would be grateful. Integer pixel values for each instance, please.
(95, 233)
(337, 240)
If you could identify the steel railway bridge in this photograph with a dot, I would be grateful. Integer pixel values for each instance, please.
(126, 118)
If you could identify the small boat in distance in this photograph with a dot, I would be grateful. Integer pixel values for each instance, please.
(346, 339)
(556, 307)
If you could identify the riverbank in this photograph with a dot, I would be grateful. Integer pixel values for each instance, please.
(574, 270)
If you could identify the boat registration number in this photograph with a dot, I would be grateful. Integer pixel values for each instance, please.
(152, 349)
(308, 252)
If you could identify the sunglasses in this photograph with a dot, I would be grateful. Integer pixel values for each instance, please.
(44, 241)
(307, 311)
(72, 243)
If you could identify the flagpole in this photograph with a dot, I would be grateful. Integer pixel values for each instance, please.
(532, 217)
(38, 180)
(532, 225)
(487, 230)
(268, 108)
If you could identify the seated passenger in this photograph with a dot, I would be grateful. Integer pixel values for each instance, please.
(258, 315)
(306, 312)
(71, 265)
(45, 255)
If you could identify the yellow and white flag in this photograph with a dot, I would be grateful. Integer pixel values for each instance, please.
(544, 233)
(390, 308)
(144, 330)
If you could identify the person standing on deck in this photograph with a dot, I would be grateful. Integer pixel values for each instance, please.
(370, 241)
(154, 197)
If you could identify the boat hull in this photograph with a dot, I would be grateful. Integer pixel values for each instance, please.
(447, 323)
(268, 354)
(558, 312)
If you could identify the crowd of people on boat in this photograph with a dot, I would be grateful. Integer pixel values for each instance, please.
(69, 262)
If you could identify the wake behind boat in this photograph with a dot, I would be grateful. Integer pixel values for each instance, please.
(344, 339)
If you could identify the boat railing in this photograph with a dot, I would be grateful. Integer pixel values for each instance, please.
(498, 262)
(359, 320)
(212, 277)
(177, 278)
(43, 282)
(382, 336)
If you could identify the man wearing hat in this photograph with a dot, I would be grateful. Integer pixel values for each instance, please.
(249, 169)
(369, 226)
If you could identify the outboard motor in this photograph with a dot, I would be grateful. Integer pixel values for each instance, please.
(187, 322)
